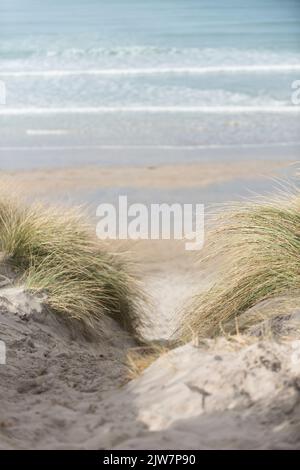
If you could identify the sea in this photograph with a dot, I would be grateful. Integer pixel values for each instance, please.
(147, 81)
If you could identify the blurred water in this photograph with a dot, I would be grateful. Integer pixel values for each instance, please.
(147, 73)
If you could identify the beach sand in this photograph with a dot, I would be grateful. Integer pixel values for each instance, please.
(61, 389)
(166, 268)
(194, 175)
(64, 389)
(169, 272)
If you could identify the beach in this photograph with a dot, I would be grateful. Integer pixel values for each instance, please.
(64, 390)
(169, 273)
(83, 392)
(136, 342)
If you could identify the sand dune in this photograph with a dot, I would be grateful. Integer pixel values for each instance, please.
(64, 389)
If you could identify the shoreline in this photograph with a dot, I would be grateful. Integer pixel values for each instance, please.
(37, 182)
(40, 152)
(206, 183)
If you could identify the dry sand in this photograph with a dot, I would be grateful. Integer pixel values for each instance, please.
(56, 376)
(64, 389)
(67, 388)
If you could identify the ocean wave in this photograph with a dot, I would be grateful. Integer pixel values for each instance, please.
(39, 148)
(155, 71)
(76, 93)
(32, 57)
(152, 110)
(54, 148)
(34, 46)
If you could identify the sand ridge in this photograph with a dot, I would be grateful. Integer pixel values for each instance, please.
(61, 389)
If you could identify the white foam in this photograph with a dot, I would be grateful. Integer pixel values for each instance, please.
(39, 148)
(152, 110)
(155, 71)
(37, 132)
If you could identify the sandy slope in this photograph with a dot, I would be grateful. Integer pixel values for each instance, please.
(63, 388)
(56, 376)
(66, 388)
(221, 395)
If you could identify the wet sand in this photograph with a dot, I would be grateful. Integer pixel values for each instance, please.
(180, 176)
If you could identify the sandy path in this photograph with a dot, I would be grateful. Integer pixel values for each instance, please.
(61, 389)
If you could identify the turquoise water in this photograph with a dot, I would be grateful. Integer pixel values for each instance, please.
(129, 74)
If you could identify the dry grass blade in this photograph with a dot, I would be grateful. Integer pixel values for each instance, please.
(256, 248)
(55, 252)
(138, 359)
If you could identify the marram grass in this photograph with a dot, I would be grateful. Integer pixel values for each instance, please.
(54, 252)
(255, 248)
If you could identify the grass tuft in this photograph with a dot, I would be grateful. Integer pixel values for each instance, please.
(54, 251)
(255, 247)
(140, 358)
